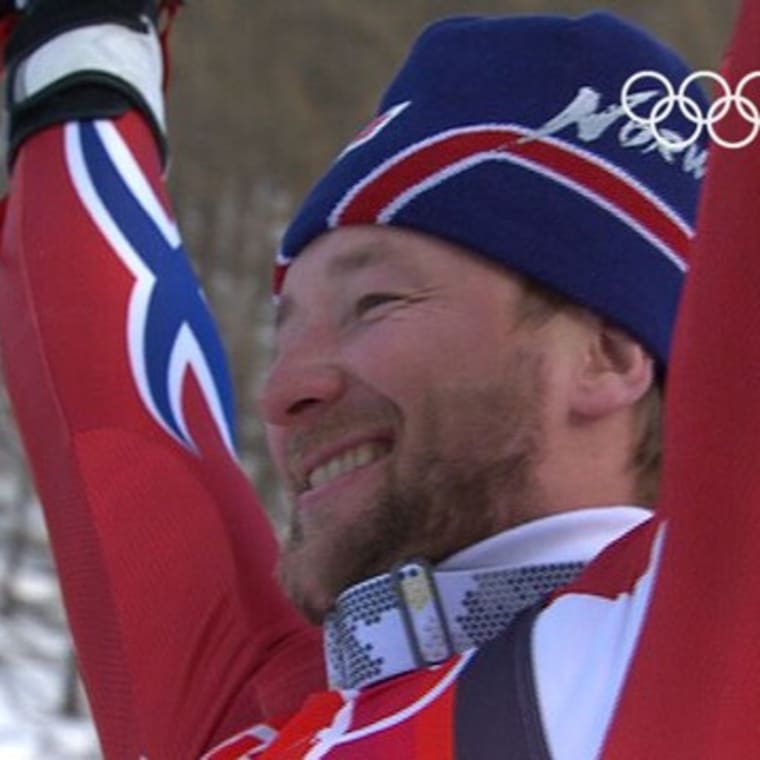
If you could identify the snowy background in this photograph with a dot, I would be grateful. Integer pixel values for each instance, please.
(43, 712)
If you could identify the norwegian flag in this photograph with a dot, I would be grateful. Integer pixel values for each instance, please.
(170, 331)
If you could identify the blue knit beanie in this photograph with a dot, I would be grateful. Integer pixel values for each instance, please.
(507, 136)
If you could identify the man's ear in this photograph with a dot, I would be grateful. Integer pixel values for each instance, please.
(616, 372)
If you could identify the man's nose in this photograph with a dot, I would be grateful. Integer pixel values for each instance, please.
(304, 379)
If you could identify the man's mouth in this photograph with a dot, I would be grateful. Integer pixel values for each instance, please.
(345, 462)
(327, 461)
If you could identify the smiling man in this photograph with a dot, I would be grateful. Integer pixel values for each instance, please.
(394, 451)
(475, 307)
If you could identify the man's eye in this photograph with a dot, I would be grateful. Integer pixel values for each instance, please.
(373, 300)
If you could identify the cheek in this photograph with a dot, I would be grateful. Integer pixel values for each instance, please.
(411, 360)
(399, 364)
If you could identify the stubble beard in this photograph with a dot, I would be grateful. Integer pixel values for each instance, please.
(442, 501)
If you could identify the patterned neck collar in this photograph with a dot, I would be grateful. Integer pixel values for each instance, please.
(416, 616)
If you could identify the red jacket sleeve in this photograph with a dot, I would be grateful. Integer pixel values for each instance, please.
(692, 691)
(120, 389)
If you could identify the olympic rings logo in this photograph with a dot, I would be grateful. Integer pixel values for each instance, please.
(691, 109)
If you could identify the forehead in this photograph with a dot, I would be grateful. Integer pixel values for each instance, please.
(350, 250)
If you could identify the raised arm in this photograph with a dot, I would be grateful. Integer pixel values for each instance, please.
(121, 391)
(693, 687)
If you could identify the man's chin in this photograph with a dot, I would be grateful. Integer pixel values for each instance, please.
(315, 570)
(321, 560)
(302, 590)
(303, 577)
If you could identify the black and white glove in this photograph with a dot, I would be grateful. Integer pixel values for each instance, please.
(83, 59)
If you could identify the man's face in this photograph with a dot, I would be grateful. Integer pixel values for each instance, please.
(405, 407)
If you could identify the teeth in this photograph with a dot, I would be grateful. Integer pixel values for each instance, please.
(344, 463)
